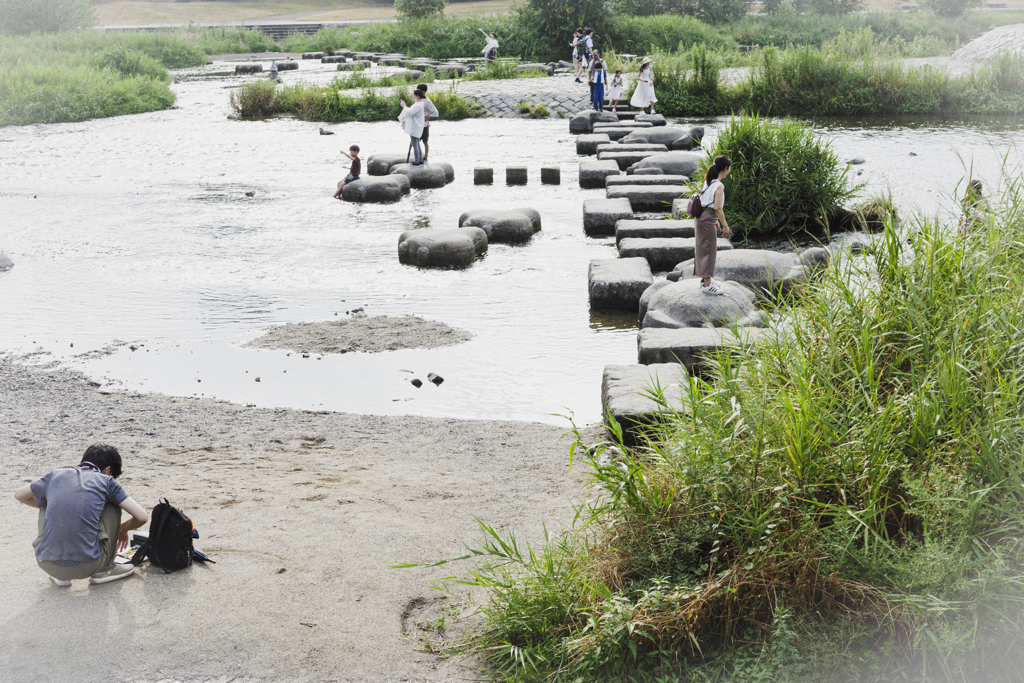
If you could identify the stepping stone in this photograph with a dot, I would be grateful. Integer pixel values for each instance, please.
(590, 142)
(380, 164)
(358, 65)
(393, 61)
(312, 55)
(764, 272)
(650, 171)
(653, 229)
(594, 171)
(549, 70)
(623, 147)
(618, 283)
(510, 226)
(248, 68)
(625, 396)
(287, 66)
(679, 208)
(551, 175)
(483, 176)
(584, 121)
(376, 189)
(441, 248)
(601, 215)
(690, 345)
(624, 159)
(426, 176)
(672, 163)
(648, 197)
(333, 59)
(5, 262)
(516, 175)
(615, 131)
(600, 126)
(653, 119)
(450, 70)
(682, 304)
(672, 137)
(663, 252)
(646, 180)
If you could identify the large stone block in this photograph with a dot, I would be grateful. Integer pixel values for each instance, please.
(248, 68)
(441, 248)
(287, 66)
(682, 304)
(647, 197)
(426, 176)
(655, 120)
(615, 131)
(551, 175)
(357, 65)
(623, 147)
(512, 225)
(516, 175)
(624, 159)
(333, 59)
(626, 396)
(600, 126)
(312, 55)
(593, 172)
(690, 345)
(483, 176)
(663, 252)
(584, 121)
(590, 142)
(601, 215)
(376, 189)
(618, 283)
(653, 229)
(646, 180)
(672, 137)
(767, 273)
(672, 163)
(380, 164)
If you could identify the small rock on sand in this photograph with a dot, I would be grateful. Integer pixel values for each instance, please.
(370, 334)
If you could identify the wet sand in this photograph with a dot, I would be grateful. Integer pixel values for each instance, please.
(372, 334)
(303, 512)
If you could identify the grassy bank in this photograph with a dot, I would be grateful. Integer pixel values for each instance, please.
(52, 78)
(262, 99)
(842, 502)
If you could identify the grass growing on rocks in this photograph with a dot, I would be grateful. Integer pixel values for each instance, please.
(842, 502)
(784, 177)
(263, 99)
(53, 78)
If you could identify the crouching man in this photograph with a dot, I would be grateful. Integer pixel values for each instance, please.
(80, 528)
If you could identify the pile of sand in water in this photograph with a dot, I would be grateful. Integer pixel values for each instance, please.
(371, 334)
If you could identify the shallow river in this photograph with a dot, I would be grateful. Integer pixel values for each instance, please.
(138, 229)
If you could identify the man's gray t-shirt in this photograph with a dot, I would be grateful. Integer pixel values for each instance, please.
(74, 500)
(429, 110)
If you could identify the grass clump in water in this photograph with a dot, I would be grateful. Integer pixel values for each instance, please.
(784, 177)
(842, 502)
(262, 99)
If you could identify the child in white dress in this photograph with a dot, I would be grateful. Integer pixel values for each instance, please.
(615, 88)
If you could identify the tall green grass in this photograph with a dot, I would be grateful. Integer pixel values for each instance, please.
(262, 99)
(60, 77)
(840, 502)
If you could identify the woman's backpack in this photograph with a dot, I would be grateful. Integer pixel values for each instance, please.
(695, 207)
(170, 539)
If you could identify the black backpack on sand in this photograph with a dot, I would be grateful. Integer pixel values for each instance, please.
(170, 539)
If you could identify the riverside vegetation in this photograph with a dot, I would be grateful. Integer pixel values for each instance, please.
(841, 502)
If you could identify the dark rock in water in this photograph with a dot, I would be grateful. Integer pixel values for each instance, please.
(312, 55)
(358, 65)
(376, 189)
(380, 164)
(649, 171)
(601, 215)
(672, 163)
(624, 159)
(617, 283)
(682, 304)
(426, 175)
(416, 382)
(326, 132)
(648, 197)
(551, 175)
(248, 68)
(441, 248)
(646, 179)
(913, 154)
(516, 175)
(856, 161)
(589, 143)
(483, 176)
(509, 226)
(435, 378)
(593, 172)
(250, 193)
(5, 263)
(288, 66)
(653, 228)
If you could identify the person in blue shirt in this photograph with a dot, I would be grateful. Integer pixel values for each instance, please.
(598, 78)
(80, 527)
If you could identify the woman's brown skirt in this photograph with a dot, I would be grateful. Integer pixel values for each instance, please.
(706, 247)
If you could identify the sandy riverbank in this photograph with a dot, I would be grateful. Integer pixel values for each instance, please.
(372, 334)
(303, 512)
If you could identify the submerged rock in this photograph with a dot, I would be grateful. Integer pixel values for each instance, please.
(510, 226)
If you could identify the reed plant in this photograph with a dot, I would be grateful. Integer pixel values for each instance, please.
(840, 502)
(502, 69)
(360, 79)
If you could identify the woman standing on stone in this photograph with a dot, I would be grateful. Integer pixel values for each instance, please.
(491, 49)
(577, 65)
(412, 121)
(643, 96)
(712, 201)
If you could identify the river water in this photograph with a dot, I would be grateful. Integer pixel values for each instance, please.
(138, 229)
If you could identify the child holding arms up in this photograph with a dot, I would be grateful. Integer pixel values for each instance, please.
(354, 169)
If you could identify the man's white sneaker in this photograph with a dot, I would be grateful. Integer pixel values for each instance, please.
(118, 571)
(59, 582)
(712, 288)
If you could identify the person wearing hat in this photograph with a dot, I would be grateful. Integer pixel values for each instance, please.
(643, 96)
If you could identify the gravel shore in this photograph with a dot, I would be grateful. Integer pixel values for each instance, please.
(303, 512)
(372, 334)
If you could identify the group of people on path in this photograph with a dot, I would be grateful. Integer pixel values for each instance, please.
(415, 120)
(586, 59)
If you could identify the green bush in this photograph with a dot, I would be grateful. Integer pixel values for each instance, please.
(23, 17)
(689, 82)
(224, 40)
(840, 502)
(418, 9)
(129, 62)
(951, 9)
(784, 177)
(647, 35)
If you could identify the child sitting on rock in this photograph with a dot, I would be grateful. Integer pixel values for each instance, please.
(354, 169)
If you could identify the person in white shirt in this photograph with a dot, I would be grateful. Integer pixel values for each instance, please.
(429, 112)
(411, 119)
(577, 65)
(491, 49)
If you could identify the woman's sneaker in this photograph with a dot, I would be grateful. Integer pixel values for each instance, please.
(712, 288)
(118, 571)
(60, 582)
